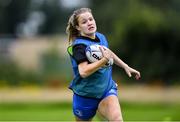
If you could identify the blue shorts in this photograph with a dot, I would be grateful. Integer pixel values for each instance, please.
(85, 107)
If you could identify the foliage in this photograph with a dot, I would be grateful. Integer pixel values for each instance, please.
(12, 12)
(53, 71)
(12, 75)
(146, 36)
(8, 72)
(54, 68)
(144, 33)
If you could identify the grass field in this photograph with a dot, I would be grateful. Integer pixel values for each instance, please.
(62, 112)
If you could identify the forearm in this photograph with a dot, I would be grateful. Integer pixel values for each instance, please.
(86, 69)
(118, 61)
(128, 69)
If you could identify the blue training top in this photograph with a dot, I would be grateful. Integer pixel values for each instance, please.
(98, 83)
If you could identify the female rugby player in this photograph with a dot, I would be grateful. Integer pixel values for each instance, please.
(93, 86)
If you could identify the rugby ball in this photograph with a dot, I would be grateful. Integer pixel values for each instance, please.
(93, 54)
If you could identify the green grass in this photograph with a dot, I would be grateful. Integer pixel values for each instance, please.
(62, 111)
(36, 112)
(151, 112)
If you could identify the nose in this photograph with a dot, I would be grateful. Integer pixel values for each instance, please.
(89, 23)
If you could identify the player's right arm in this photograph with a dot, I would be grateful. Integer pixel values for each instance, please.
(85, 68)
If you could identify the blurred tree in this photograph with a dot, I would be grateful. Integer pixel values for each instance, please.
(54, 22)
(12, 12)
(54, 68)
(151, 36)
(105, 12)
(144, 34)
(16, 15)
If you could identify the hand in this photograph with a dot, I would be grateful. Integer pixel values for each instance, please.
(130, 71)
(106, 53)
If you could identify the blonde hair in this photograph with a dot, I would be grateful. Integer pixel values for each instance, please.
(73, 22)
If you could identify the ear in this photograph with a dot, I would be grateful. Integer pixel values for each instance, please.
(77, 27)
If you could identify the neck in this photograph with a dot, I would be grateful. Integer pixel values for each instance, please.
(92, 36)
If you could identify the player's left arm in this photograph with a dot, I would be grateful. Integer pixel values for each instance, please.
(129, 71)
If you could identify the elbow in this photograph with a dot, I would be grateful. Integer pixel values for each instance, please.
(84, 70)
(83, 74)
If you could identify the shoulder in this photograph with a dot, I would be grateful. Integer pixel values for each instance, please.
(79, 53)
(79, 49)
(79, 46)
(79, 40)
(103, 39)
(101, 36)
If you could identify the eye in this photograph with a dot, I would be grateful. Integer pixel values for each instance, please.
(84, 21)
(91, 19)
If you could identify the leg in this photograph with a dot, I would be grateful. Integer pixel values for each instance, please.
(109, 108)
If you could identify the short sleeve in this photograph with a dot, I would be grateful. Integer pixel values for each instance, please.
(79, 53)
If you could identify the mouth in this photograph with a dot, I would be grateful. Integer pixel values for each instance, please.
(91, 28)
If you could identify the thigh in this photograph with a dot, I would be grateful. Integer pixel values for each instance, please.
(110, 109)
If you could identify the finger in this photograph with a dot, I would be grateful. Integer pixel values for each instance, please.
(139, 74)
(137, 77)
(128, 73)
(101, 49)
(104, 47)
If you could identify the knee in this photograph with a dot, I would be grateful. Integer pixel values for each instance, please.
(116, 118)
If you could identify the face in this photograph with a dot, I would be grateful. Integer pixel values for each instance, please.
(87, 24)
